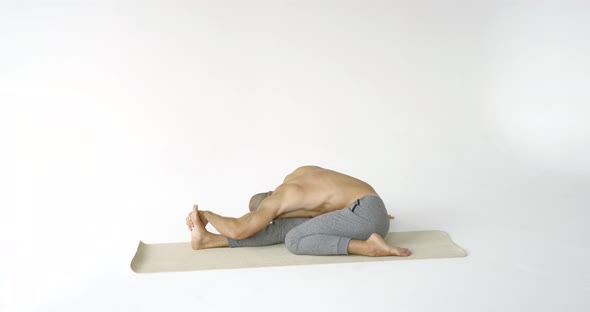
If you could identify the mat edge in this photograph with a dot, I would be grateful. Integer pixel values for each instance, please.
(133, 264)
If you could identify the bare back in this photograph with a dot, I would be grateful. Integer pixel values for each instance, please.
(311, 191)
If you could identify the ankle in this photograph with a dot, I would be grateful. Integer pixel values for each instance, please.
(358, 247)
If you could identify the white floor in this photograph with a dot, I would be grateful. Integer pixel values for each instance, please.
(466, 116)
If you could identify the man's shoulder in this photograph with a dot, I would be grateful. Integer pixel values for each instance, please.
(301, 171)
(287, 197)
(288, 189)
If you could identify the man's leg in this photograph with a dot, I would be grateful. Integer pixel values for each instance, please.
(358, 229)
(375, 246)
(273, 234)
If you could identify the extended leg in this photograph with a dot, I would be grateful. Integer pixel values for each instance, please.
(272, 234)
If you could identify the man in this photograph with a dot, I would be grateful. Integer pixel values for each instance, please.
(315, 211)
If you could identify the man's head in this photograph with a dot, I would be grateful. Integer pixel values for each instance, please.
(257, 199)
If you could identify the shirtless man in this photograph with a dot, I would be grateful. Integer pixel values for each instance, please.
(315, 211)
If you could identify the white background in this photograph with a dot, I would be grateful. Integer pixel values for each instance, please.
(467, 116)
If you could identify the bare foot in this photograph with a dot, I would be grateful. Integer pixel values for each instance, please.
(377, 247)
(391, 217)
(199, 235)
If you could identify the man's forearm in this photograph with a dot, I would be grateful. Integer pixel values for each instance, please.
(224, 225)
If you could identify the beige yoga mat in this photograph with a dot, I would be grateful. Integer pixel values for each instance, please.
(176, 257)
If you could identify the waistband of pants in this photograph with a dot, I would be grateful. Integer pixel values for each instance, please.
(364, 198)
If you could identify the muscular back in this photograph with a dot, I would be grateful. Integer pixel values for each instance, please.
(310, 191)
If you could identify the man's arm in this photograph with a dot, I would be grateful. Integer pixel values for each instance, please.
(248, 224)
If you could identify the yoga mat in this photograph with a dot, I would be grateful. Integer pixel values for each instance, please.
(177, 257)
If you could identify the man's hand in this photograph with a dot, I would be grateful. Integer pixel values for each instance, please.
(190, 223)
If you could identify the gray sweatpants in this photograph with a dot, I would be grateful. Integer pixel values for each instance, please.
(327, 234)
